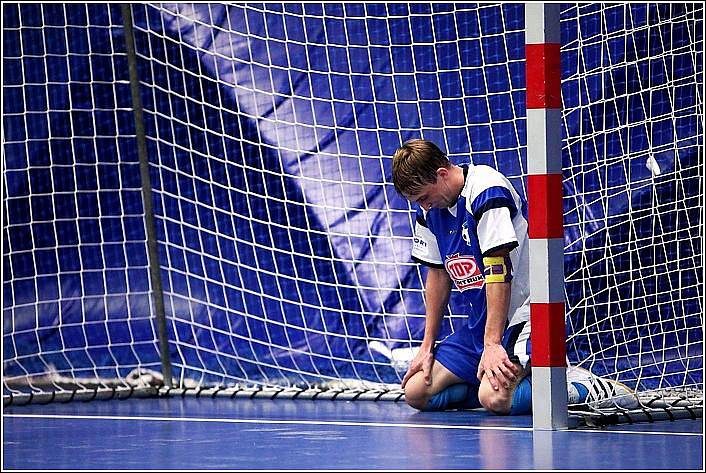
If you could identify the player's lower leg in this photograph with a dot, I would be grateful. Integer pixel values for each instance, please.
(522, 398)
(456, 396)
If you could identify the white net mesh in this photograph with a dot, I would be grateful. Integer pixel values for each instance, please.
(75, 292)
(284, 249)
(633, 116)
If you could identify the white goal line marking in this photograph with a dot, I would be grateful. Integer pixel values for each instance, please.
(326, 422)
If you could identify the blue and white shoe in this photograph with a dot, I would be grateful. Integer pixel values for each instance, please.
(596, 392)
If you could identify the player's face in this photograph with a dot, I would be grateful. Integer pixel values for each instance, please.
(435, 195)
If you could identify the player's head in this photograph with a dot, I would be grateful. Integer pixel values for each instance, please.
(420, 171)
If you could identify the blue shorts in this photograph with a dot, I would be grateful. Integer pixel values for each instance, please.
(459, 353)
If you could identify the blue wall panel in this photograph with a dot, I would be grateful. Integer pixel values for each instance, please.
(270, 130)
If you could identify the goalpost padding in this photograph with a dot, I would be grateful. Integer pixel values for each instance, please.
(283, 247)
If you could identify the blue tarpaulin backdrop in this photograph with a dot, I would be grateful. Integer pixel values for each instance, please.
(284, 248)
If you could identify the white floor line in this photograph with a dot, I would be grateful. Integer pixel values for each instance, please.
(320, 422)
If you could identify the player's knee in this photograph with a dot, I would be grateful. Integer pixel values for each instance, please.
(418, 403)
(416, 394)
(498, 402)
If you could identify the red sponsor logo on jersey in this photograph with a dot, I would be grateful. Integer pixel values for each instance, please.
(464, 271)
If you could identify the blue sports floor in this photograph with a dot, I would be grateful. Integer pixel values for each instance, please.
(197, 433)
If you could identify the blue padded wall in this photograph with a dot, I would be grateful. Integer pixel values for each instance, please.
(75, 277)
(270, 130)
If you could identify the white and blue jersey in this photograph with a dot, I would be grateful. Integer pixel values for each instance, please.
(489, 215)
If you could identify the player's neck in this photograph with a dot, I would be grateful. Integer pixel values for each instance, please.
(457, 181)
(453, 184)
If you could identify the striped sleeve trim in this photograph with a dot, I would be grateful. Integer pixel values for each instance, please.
(510, 245)
(493, 198)
(427, 263)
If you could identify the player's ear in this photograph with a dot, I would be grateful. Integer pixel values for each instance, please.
(442, 173)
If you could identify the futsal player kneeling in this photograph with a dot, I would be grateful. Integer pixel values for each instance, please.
(471, 232)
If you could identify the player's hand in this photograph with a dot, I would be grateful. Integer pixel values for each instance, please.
(496, 365)
(422, 362)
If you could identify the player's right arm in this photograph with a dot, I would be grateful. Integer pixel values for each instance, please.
(436, 290)
(437, 287)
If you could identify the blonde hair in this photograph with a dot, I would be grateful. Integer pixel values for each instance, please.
(414, 165)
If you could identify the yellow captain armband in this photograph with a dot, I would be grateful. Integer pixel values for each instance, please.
(497, 269)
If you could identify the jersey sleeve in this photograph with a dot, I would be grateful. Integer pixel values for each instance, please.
(494, 205)
(425, 249)
(496, 231)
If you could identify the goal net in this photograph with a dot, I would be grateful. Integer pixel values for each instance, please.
(284, 250)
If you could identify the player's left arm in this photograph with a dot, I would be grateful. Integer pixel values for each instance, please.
(495, 363)
(494, 206)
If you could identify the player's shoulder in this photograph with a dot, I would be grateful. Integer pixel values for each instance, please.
(484, 174)
(482, 177)
(423, 216)
(486, 187)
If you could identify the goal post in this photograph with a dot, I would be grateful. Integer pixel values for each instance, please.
(283, 248)
(545, 215)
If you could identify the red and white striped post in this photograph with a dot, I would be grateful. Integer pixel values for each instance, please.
(546, 229)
